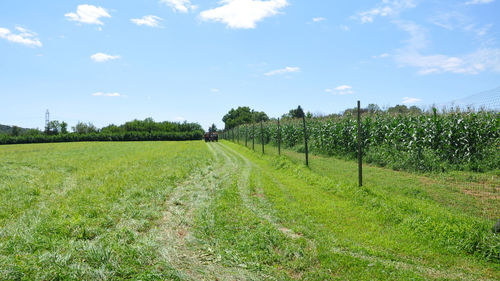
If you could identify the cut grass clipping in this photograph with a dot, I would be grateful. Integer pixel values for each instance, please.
(191, 211)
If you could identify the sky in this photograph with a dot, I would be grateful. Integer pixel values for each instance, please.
(113, 61)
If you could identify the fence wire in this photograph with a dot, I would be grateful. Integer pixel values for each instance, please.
(487, 100)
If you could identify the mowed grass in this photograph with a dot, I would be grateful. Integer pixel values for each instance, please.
(89, 211)
(319, 225)
(97, 211)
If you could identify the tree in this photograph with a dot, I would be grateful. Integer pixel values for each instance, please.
(415, 110)
(373, 108)
(295, 113)
(64, 127)
(243, 115)
(53, 128)
(398, 109)
(212, 128)
(82, 128)
(15, 131)
(32, 132)
(260, 116)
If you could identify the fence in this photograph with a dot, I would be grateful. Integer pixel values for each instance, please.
(266, 137)
(426, 142)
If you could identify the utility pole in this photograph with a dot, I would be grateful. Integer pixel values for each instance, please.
(47, 121)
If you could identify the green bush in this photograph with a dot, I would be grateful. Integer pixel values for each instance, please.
(128, 136)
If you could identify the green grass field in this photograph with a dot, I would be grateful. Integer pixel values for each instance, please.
(219, 211)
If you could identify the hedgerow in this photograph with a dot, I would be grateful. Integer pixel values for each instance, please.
(128, 136)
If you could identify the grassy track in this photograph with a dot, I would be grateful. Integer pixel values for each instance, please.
(89, 210)
(194, 211)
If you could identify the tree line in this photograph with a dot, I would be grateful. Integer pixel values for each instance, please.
(245, 115)
(136, 130)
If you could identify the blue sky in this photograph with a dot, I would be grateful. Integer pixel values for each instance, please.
(111, 61)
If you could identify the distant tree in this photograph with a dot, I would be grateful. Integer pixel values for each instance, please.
(111, 129)
(415, 110)
(83, 128)
(295, 113)
(260, 116)
(53, 128)
(398, 109)
(354, 111)
(212, 128)
(150, 126)
(64, 127)
(16, 131)
(373, 108)
(32, 132)
(243, 115)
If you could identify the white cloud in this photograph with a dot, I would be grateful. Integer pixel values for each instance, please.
(243, 13)
(319, 19)
(345, 27)
(101, 94)
(25, 37)
(88, 14)
(214, 90)
(407, 100)
(384, 9)
(149, 20)
(483, 59)
(341, 90)
(182, 6)
(101, 57)
(475, 2)
(179, 118)
(381, 56)
(454, 20)
(288, 69)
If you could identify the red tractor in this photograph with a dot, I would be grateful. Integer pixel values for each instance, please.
(211, 137)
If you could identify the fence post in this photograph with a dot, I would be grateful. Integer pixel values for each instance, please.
(238, 135)
(246, 136)
(305, 139)
(279, 137)
(232, 130)
(262, 135)
(360, 156)
(253, 136)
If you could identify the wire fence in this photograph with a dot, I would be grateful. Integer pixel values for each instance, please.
(462, 147)
(487, 100)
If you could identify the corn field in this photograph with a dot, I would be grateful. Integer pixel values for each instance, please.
(426, 142)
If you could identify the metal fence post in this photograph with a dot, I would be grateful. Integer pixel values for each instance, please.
(246, 136)
(360, 155)
(262, 135)
(305, 139)
(232, 130)
(279, 138)
(238, 135)
(253, 136)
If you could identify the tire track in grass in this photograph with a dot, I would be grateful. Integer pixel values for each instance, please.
(264, 211)
(245, 168)
(182, 250)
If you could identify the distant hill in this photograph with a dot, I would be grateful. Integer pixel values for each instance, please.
(4, 129)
